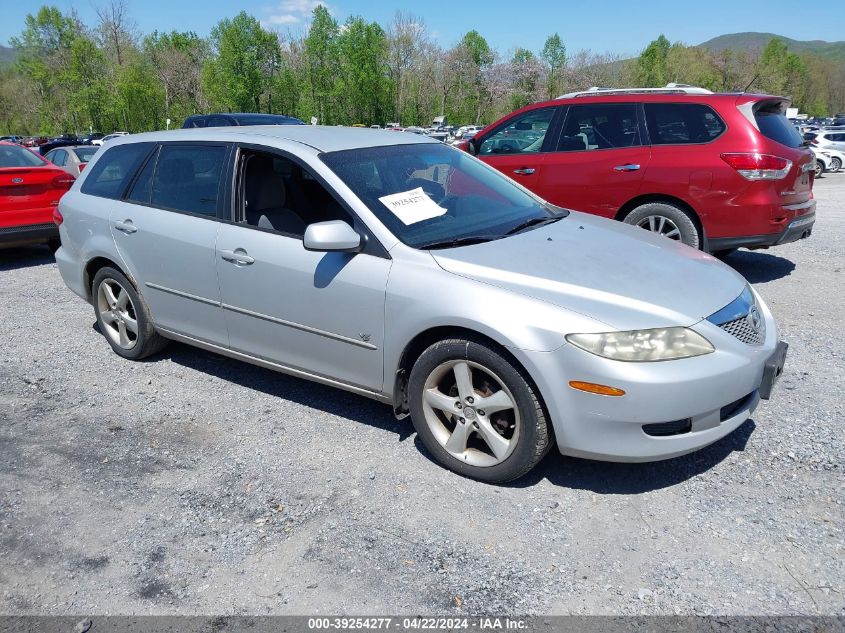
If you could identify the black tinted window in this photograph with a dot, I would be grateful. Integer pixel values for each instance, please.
(775, 126)
(601, 126)
(673, 123)
(143, 187)
(113, 170)
(218, 121)
(187, 178)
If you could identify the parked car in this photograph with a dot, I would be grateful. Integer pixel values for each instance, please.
(822, 163)
(828, 139)
(72, 158)
(239, 118)
(108, 137)
(30, 188)
(714, 171)
(13, 138)
(837, 159)
(424, 279)
(34, 141)
(88, 139)
(65, 140)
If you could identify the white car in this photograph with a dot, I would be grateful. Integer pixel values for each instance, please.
(108, 137)
(823, 162)
(829, 138)
(835, 159)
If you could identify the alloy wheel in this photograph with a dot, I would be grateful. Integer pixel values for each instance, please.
(117, 314)
(835, 164)
(662, 225)
(471, 413)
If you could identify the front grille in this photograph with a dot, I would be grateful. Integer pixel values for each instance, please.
(742, 329)
(664, 429)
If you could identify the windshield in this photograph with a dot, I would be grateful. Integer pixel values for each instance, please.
(430, 193)
(86, 153)
(14, 156)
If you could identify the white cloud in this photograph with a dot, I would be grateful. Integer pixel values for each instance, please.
(292, 12)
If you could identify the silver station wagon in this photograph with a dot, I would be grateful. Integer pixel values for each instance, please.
(405, 270)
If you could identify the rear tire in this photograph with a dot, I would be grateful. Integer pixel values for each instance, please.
(819, 169)
(666, 219)
(835, 165)
(123, 316)
(477, 413)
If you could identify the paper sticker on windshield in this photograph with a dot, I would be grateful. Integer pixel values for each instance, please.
(412, 206)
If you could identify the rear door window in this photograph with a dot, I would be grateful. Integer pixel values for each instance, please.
(112, 172)
(187, 178)
(600, 126)
(682, 123)
(775, 126)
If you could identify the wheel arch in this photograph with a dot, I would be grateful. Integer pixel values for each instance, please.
(93, 267)
(633, 203)
(423, 340)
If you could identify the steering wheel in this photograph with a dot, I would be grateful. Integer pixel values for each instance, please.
(433, 190)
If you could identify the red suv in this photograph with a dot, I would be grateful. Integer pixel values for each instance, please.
(716, 171)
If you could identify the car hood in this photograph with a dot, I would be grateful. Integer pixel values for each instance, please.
(623, 276)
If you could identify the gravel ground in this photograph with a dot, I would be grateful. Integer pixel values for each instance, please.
(194, 484)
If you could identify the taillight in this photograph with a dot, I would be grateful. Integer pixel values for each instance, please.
(754, 166)
(58, 218)
(63, 181)
(81, 167)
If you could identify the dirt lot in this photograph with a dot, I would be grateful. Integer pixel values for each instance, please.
(194, 484)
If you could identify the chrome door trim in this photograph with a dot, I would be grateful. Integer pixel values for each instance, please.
(299, 326)
(268, 364)
(179, 293)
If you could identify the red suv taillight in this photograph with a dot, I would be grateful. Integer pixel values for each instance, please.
(63, 181)
(58, 218)
(82, 166)
(754, 166)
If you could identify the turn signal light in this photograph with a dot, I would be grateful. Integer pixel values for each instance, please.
(591, 387)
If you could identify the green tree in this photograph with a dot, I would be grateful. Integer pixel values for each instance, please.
(322, 61)
(651, 64)
(554, 54)
(245, 60)
(363, 63)
(781, 72)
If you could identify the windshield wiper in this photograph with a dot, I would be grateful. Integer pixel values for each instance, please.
(534, 222)
(459, 241)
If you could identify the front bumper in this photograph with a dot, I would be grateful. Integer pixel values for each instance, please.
(28, 234)
(699, 399)
(797, 229)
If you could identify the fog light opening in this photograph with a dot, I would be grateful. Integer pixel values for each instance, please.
(591, 387)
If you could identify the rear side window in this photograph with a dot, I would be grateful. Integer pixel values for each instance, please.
(524, 134)
(682, 123)
(775, 126)
(112, 172)
(600, 126)
(187, 178)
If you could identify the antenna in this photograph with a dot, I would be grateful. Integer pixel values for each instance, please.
(757, 76)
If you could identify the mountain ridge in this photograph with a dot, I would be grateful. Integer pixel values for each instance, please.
(753, 41)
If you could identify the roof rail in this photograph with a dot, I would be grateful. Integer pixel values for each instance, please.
(671, 88)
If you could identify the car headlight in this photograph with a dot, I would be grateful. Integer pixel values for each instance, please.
(668, 343)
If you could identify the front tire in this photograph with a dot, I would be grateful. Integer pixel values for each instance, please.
(667, 220)
(819, 169)
(123, 316)
(835, 164)
(477, 413)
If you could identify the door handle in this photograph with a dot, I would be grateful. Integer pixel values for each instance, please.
(237, 257)
(524, 171)
(627, 167)
(126, 226)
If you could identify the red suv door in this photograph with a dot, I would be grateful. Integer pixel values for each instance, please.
(598, 161)
(516, 147)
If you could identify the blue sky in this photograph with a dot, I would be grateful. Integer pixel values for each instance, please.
(618, 26)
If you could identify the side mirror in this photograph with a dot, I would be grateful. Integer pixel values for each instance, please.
(473, 147)
(334, 235)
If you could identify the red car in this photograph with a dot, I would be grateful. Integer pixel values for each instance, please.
(30, 188)
(716, 171)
